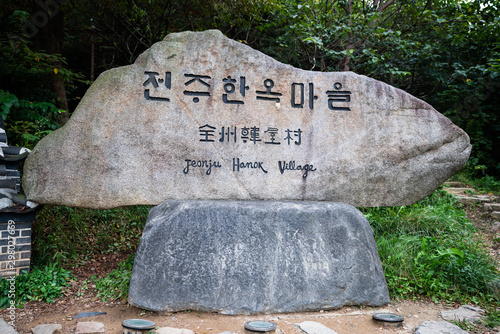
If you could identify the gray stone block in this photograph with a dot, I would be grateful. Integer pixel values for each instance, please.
(254, 257)
(5, 328)
(47, 329)
(311, 327)
(171, 330)
(438, 327)
(464, 313)
(89, 327)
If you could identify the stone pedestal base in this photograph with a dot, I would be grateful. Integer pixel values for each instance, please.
(256, 257)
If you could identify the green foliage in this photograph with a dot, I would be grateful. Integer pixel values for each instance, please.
(430, 249)
(489, 184)
(116, 284)
(493, 318)
(37, 119)
(71, 236)
(42, 284)
(445, 52)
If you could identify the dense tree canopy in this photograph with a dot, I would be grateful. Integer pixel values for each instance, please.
(446, 52)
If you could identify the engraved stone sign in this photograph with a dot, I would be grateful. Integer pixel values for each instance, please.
(200, 116)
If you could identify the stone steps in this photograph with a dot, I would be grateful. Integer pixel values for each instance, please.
(469, 196)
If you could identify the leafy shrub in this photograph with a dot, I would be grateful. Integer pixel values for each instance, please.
(115, 285)
(26, 121)
(42, 284)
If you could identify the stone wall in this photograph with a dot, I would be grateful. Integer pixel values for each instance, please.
(15, 243)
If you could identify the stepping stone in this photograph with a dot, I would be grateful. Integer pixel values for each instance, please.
(453, 184)
(439, 327)
(464, 313)
(311, 327)
(458, 190)
(47, 329)
(495, 214)
(496, 227)
(89, 327)
(468, 200)
(171, 330)
(5, 328)
(492, 206)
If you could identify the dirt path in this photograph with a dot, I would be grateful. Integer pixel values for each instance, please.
(352, 320)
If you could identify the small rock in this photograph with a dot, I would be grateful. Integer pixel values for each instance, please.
(496, 227)
(171, 330)
(311, 327)
(495, 214)
(5, 328)
(89, 327)
(473, 308)
(46, 329)
(464, 313)
(438, 327)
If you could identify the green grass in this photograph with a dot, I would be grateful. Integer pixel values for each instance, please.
(429, 249)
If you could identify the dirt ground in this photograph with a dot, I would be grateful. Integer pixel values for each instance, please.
(352, 320)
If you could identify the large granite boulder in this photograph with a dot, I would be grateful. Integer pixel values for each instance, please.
(245, 257)
(201, 116)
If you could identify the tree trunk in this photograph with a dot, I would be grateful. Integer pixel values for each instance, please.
(346, 59)
(49, 39)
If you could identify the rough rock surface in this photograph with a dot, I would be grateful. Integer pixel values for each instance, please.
(5, 328)
(172, 330)
(467, 313)
(312, 327)
(89, 327)
(438, 327)
(246, 257)
(269, 131)
(47, 329)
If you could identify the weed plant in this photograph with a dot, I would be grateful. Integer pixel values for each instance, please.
(429, 249)
(70, 236)
(42, 284)
(115, 285)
